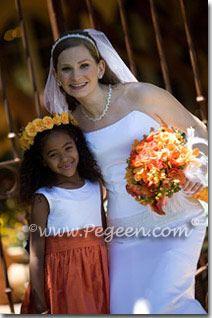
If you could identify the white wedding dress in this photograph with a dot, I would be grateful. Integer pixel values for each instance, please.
(152, 272)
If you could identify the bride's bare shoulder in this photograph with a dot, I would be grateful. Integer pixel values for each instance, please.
(139, 92)
(140, 88)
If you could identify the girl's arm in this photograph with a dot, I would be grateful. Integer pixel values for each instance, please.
(39, 214)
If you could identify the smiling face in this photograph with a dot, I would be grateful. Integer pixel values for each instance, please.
(60, 154)
(78, 71)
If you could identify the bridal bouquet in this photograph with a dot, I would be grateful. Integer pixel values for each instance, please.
(156, 167)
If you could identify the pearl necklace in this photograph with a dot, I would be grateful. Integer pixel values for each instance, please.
(104, 111)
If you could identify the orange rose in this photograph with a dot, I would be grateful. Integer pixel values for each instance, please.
(137, 177)
(133, 190)
(177, 174)
(142, 174)
(140, 146)
(176, 153)
(145, 191)
(171, 147)
(153, 145)
(154, 163)
(174, 163)
(152, 135)
(136, 162)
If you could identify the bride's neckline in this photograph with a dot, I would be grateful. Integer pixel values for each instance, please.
(117, 122)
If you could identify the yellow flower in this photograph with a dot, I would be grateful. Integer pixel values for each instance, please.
(24, 143)
(64, 118)
(73, 120)
(25, 136)
(48, 122)
(38, 123)
(30, 129)
(57, 120)
(30, 139)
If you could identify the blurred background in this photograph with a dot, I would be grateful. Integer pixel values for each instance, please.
(24, 59)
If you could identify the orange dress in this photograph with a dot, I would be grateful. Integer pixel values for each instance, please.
(76, 275)
(76, 268)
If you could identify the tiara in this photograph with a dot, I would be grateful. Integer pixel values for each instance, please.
(28, 133)
(69, 36)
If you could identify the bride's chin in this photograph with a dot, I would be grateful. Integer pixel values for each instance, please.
(78, 94)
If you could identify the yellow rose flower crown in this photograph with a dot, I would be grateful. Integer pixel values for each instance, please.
(28, 133)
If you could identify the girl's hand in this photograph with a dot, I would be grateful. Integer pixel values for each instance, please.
(191, 188)
(46, 312)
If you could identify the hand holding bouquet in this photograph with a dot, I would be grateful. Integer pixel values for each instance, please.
(156, 167)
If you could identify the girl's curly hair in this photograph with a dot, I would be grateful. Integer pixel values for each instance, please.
(34, 175)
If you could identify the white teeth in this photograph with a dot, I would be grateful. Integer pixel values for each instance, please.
(78, 85)
(68, 166)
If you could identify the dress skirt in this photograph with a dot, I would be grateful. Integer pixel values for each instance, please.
(76, 275)
(155, 275)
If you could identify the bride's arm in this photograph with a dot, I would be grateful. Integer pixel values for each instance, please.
(166, 109)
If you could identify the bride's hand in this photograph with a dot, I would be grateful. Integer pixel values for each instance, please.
(191, 188)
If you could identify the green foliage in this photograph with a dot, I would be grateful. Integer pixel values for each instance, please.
(13, 228)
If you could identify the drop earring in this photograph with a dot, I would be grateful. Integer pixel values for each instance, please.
(59, 83)
(100, 75)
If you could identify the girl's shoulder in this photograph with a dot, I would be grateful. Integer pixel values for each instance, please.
(44, 190)
(39, 199)
(47, 193)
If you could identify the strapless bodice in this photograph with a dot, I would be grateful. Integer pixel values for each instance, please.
(111, 147)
